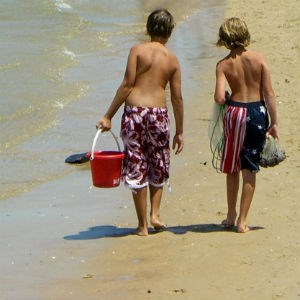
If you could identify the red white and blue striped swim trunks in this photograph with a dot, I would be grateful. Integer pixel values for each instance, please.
(245, 126)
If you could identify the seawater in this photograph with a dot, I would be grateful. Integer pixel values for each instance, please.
(61, 62)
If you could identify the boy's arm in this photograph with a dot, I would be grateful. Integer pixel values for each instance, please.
(177, 104)
(123, 91)
(270, 100)
(219, 96)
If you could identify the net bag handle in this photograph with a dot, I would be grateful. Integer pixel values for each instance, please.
(96, 138)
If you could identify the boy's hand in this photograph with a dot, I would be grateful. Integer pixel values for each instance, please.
(104, 124)
(178, 143)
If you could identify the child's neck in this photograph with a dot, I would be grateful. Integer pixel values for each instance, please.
(238, 50)
(160, 40)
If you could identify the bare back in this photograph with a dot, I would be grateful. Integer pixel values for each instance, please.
(151, 66)
(243, 71)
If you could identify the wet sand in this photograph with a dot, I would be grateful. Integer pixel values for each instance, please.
(195, 258)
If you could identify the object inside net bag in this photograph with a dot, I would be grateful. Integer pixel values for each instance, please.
(272, 153)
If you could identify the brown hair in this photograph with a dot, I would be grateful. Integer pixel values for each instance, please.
(160, 23)
(233, 33)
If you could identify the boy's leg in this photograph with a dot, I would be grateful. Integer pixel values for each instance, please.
(249, 179)
(155, 199)
(232, 183)
(140, 202)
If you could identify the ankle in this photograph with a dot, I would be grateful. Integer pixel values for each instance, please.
(231, 212)
(155, 215)
(231, 216)
(241, 221)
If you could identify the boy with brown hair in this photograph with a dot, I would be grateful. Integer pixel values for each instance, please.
(246, 122)
(145, 125)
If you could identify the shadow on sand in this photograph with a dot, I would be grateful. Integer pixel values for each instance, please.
(99, 232)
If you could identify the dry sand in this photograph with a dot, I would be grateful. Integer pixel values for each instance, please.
(195, 258)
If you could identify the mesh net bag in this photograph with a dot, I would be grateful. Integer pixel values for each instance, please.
(216, 134)
(216, 131)
(272, 153)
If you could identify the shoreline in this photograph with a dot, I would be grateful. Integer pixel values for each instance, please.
(71, 254)
(196, 258)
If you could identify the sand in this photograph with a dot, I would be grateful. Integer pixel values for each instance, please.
(196, 258)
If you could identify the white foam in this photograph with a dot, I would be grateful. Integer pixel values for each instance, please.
(62, 6)
(58, 104)
(69, 53)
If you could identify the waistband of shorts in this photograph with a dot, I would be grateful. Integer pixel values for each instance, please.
(140, 109)
(246, 104)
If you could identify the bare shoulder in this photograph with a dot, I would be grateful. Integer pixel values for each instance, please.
(173, 57)
(223, 62)
(136, 49)
(259, 56)
(171, 53)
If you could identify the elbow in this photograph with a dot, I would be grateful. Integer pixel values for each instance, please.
(177, 101)
(219, 100)
(126, 87)
(268, 93)
(269, 97)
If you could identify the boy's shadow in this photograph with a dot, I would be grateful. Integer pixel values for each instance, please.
(99, 232)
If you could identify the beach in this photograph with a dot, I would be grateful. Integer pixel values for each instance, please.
(77, 243)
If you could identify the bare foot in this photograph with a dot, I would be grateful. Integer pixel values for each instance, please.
(157, 224)
(226, 223)
(242, 229)
(229, 221)
(242, 226)
(141, 231)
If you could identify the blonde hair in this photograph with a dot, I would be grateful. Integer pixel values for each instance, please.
(233, 33)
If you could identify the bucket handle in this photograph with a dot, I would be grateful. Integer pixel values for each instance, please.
(96, 138)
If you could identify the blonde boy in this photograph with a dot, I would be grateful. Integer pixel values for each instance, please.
(246, 122)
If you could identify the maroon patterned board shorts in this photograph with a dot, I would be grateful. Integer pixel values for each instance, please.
(145, 133)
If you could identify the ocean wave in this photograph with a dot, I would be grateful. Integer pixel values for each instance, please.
(69, 54)
(10, 66)
(62, 6)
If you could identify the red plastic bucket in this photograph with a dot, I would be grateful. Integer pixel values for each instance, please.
(106, 165)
